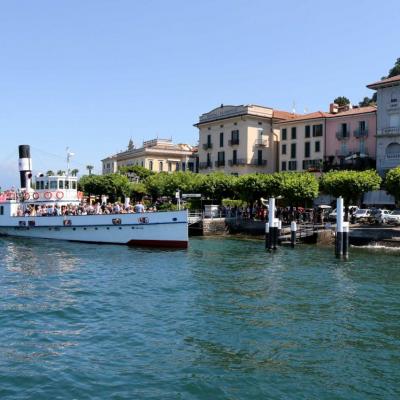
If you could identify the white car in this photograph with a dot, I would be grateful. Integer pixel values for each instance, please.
(381, 215)
(332, 215)
(362, 214)
(393, 217)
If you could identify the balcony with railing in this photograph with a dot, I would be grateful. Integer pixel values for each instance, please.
(233, 142)
(262, 142)
(343, 135)
(238, 161)
(314, 165)
(390, 131)
(360, 133)
(258, 163)
(219, 163)
(205, 165)
(393, 155)
(207, 146)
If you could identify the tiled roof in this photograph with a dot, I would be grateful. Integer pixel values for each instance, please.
(383, 82)
(353, 111)
(279, 114)
(321, 114)
(313, 115)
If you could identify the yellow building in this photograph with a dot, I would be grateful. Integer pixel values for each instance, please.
(239, 139)
(158, 155)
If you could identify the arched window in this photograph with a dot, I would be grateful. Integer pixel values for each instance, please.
(393, 150)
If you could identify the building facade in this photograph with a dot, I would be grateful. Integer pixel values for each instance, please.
(239, 139)
(302, 142)
(158, 155)
(350, 137)
(388, 123)
(342, 137)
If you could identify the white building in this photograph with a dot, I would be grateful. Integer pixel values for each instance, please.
(158, 155)
(388, 123)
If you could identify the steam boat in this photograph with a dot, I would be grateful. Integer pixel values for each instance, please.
(155, 229)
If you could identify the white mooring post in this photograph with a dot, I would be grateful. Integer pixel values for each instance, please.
(275, 235)
(271, 220)
(267, 238)
(339, 228)
(293, 231)
(346, 240)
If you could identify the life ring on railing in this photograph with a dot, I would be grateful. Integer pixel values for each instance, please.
(27, 196)
(47, 195)
(35, 195)
(59, 195)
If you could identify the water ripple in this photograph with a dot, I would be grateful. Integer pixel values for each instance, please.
(222, 320)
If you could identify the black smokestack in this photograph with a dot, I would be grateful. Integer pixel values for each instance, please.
(25, 166)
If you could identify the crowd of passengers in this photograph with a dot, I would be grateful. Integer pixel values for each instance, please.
(81, 209)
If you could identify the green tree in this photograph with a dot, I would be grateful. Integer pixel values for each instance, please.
(165, 184)
(251, 187)
(392, 182)
(341, 101)
(50, 173)
(216, 186)
(136, 190)
(115, 186)
(74, 172)
(367, 101)
(297, 187)
(351, 185)
(60, 172)
(141, 172)
(89, 168)
(395, 70)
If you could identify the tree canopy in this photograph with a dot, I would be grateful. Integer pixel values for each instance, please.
(395, 70)
(297, 187)
(252, 187)
(350, 184)
(141, 172)
(392, 182)
(341, 101)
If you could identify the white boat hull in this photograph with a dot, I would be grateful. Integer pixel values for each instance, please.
(160, 229)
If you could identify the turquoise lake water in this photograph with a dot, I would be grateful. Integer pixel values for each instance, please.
(221, 320)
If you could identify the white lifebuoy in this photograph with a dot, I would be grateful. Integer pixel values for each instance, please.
(35, 195)
(47, 195)
(59, 195)
(27, 196)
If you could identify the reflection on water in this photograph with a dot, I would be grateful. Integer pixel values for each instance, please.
(32, 257)
(222, 320)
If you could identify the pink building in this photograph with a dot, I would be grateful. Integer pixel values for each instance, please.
(350, 137)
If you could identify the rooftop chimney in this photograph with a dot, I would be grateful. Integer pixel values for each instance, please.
(333, 108)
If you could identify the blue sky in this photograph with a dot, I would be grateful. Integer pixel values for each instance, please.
(92, 74)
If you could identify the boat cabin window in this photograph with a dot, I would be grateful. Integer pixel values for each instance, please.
(46, 186)
(73, 184)
(53, 184)
(37, 185)
(61, 184)
(41, 185)
(1, 210)
(66, 184)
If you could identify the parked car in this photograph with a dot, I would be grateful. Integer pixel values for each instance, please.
(362, 215)
(332, 215)
(393, 217)
(380, 215)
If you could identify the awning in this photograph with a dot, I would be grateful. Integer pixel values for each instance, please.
(378, 197)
